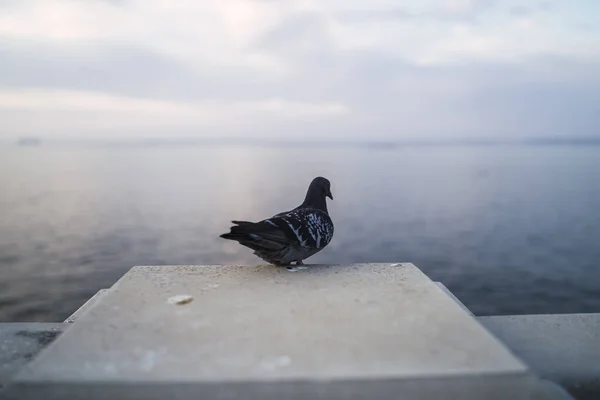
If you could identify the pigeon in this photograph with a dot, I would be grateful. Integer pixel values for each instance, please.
(290, 236)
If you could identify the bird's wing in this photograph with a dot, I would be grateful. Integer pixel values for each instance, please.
(272, 233)
(303, 226)
(283, 227)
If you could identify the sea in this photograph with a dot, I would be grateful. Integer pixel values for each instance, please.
(509, 229)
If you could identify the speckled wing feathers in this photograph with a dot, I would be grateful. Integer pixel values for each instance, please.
(285, 237)
(306, 227)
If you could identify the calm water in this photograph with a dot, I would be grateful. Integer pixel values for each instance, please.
(507, 229)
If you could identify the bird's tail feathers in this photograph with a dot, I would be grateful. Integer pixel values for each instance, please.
(240, 231)
(256, 235)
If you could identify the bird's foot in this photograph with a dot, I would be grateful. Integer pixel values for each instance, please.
(299, 266)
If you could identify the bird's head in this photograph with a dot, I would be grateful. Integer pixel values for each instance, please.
(321, 187)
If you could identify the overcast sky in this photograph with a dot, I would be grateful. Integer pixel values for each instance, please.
(414, 69)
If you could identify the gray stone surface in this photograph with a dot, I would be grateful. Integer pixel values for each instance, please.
(561, 347)
(548, 390)
(86, 306)
(501, 387)
(20, 343)
(265, 329)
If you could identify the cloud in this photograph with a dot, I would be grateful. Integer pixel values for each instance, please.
(452, 11)
(431, 69)
(124, 70)
(125, 112)
(545, 5)
(520, 11)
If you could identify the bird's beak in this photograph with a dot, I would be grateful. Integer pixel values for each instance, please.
(329, 194)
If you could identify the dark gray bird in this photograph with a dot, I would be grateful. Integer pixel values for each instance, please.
(290, 236)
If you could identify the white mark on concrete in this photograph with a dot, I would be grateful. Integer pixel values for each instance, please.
(395, 265)
(212, 285)
(180, 299)
(273, 363)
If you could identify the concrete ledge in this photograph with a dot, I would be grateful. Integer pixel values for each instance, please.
(345, 331)
(86, 306)
(562, 347)
(546, 390)
(21, 342)
(488, 388)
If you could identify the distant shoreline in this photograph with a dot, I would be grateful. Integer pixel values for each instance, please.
(384, 145)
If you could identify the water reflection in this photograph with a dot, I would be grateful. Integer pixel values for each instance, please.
(508, 229)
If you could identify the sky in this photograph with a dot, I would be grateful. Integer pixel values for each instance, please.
(300, 69)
